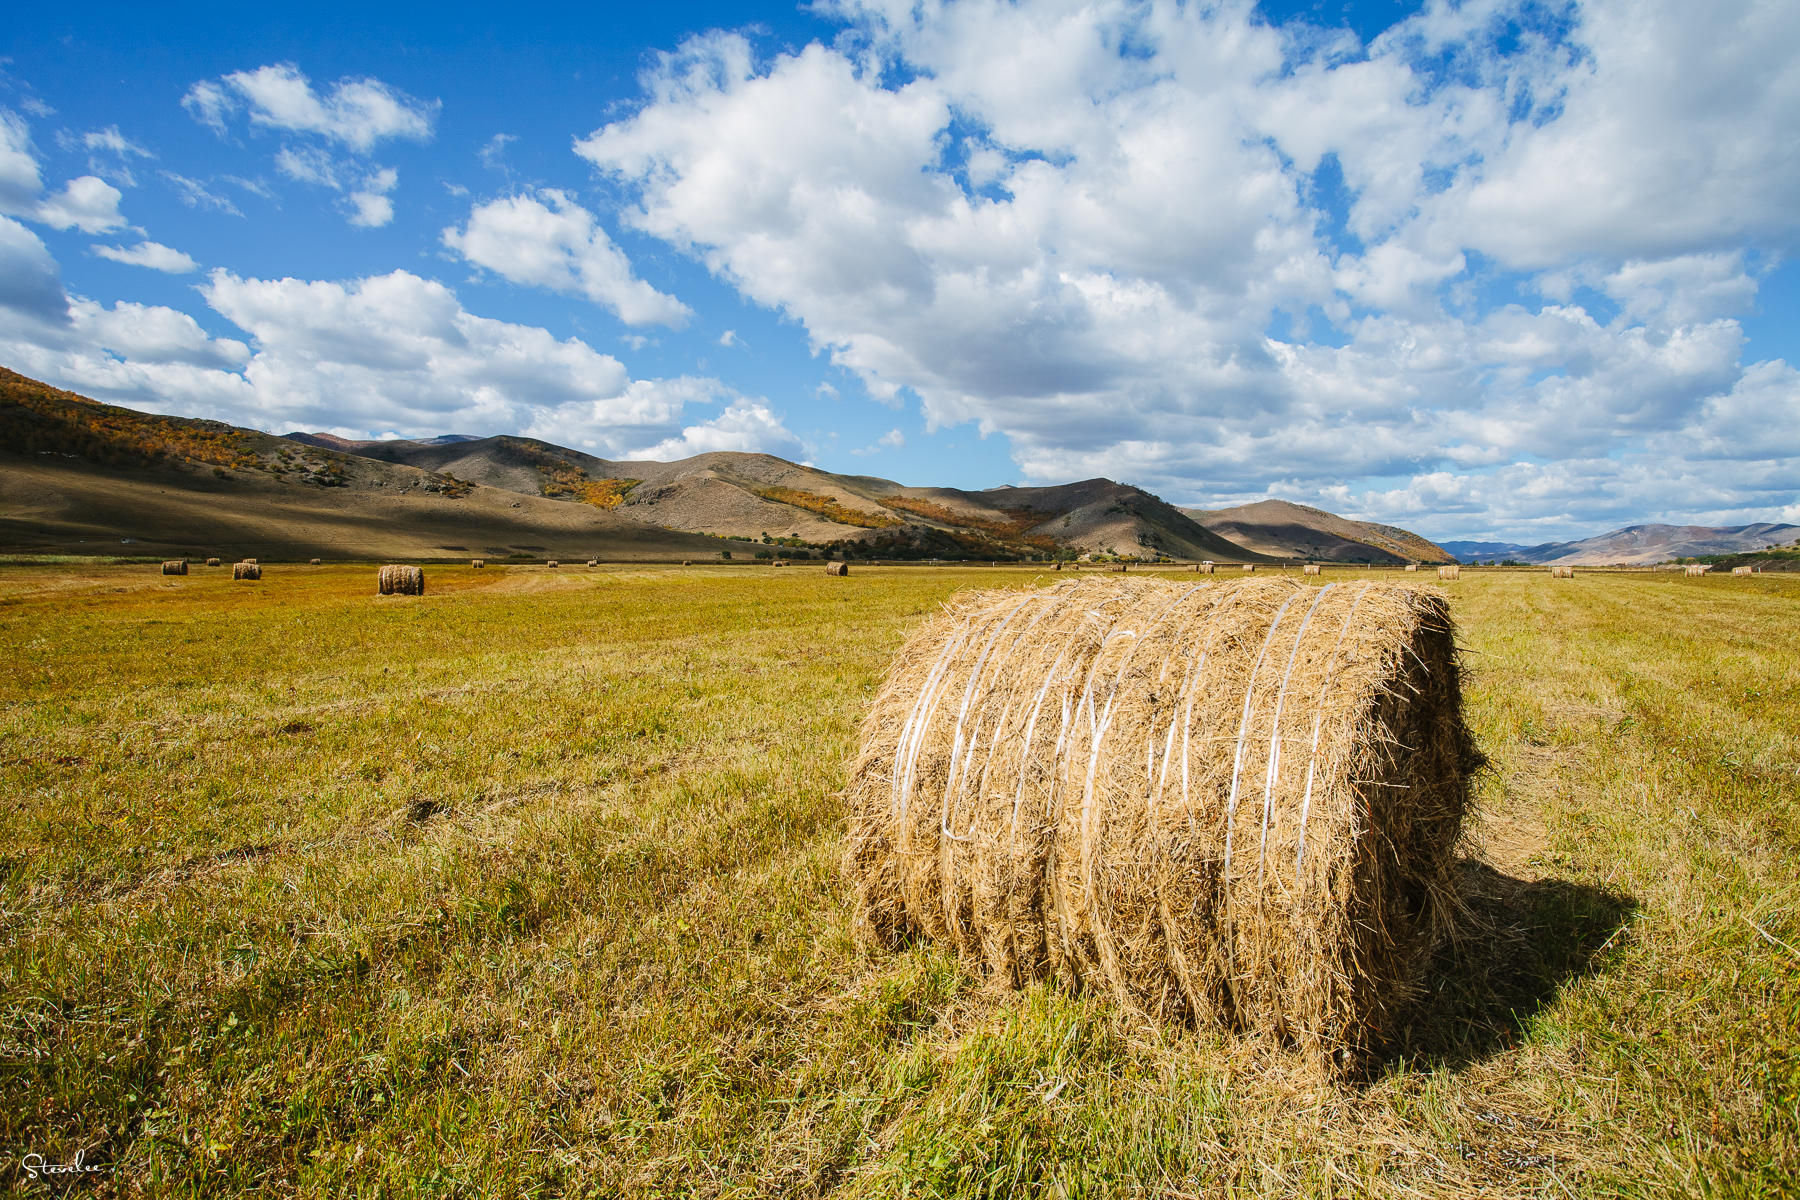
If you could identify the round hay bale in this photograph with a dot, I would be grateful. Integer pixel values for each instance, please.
(1412, 567)
(251, 561)
(246, 570)
(687, 562)
(837, 568)
(313, 561)
(1233, 804)
(1743, 570)
(1249, 567)
(175, 566)
(1311, 569)
(593, 562)
(478, 563)
(1206, 568)
(550, 562)
(400, 580)
(1454, 571)
(1057, 567)
(1696, 569)
(212, 562)
(1562, 572)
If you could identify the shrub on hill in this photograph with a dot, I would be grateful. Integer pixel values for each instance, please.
(36, 418)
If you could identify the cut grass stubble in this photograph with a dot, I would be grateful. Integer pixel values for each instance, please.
(530, 886)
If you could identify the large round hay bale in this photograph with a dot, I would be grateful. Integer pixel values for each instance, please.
(1206, 568)
(175, 566)
(212, 562)
(478, 563)
(1249, 567)
(246, 570)
(1454, 571)
(837, 568)
(1310, 569)
(400, 579)
(1226, 803)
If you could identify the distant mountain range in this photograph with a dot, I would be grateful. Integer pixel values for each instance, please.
(1635, 545)
(83, 477)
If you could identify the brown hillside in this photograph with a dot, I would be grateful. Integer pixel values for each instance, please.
(1286, 530)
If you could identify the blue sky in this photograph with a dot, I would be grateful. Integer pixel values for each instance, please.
(1483, 269)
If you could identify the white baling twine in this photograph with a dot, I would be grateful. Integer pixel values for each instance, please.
(957, 759)
(1319, 723)
(906, 750)
(1274, 768)
(1237, 766)
(1036, 708)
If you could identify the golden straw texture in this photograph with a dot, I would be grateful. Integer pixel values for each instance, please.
(400, 580)
(1231, 803)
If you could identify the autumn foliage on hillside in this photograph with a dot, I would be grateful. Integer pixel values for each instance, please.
(36, 418)
(563, 478)
(827, 507)
(1010, 530)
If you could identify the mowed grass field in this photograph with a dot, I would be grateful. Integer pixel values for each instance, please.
(529, 887)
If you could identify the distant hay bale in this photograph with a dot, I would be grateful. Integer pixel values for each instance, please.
(478, 563)
(1695, 569)
(1249, 567)
(837, 568)
(1743, 570)
(1311, 569)
(246, 570)
(1057, 567)
(1231, 804)
(687, 562)
(1453, 571)
(315, 562)
(251, 561)
(1205, 568)
(212, 562)
(550, 562)
(400, 580)
(1412, 566)
(1562, 572)
(175, 566)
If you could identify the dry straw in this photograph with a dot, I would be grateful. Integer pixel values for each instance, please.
(246, 570)
(1743, 570)
(400, 580)
(1453, 571)
(1311, 568)
(1695, 569)
(1205, 568)
(175, 566)
(1234, 804)
(212, 562)
(1412, 566)
(837, 568)
(1562, 572)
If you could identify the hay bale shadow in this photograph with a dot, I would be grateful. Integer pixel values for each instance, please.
(1524, 942)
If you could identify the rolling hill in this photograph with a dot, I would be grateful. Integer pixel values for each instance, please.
(754, 496)
(1281, 529)
(1638, 545)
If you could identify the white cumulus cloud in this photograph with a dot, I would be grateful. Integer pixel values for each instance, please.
(154, 255)
(355, 113)
(548, 240)
(1241, 259)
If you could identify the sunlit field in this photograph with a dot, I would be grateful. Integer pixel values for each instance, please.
(529, 887)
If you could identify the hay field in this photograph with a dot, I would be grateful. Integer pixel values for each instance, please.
(529, 887)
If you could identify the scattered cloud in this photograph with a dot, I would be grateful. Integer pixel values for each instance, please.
(196, 194)
(493, 152)
(371, 206)
(546, 239)
(154, 255)
(893, 438)
(355, 113)
(730, 338)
